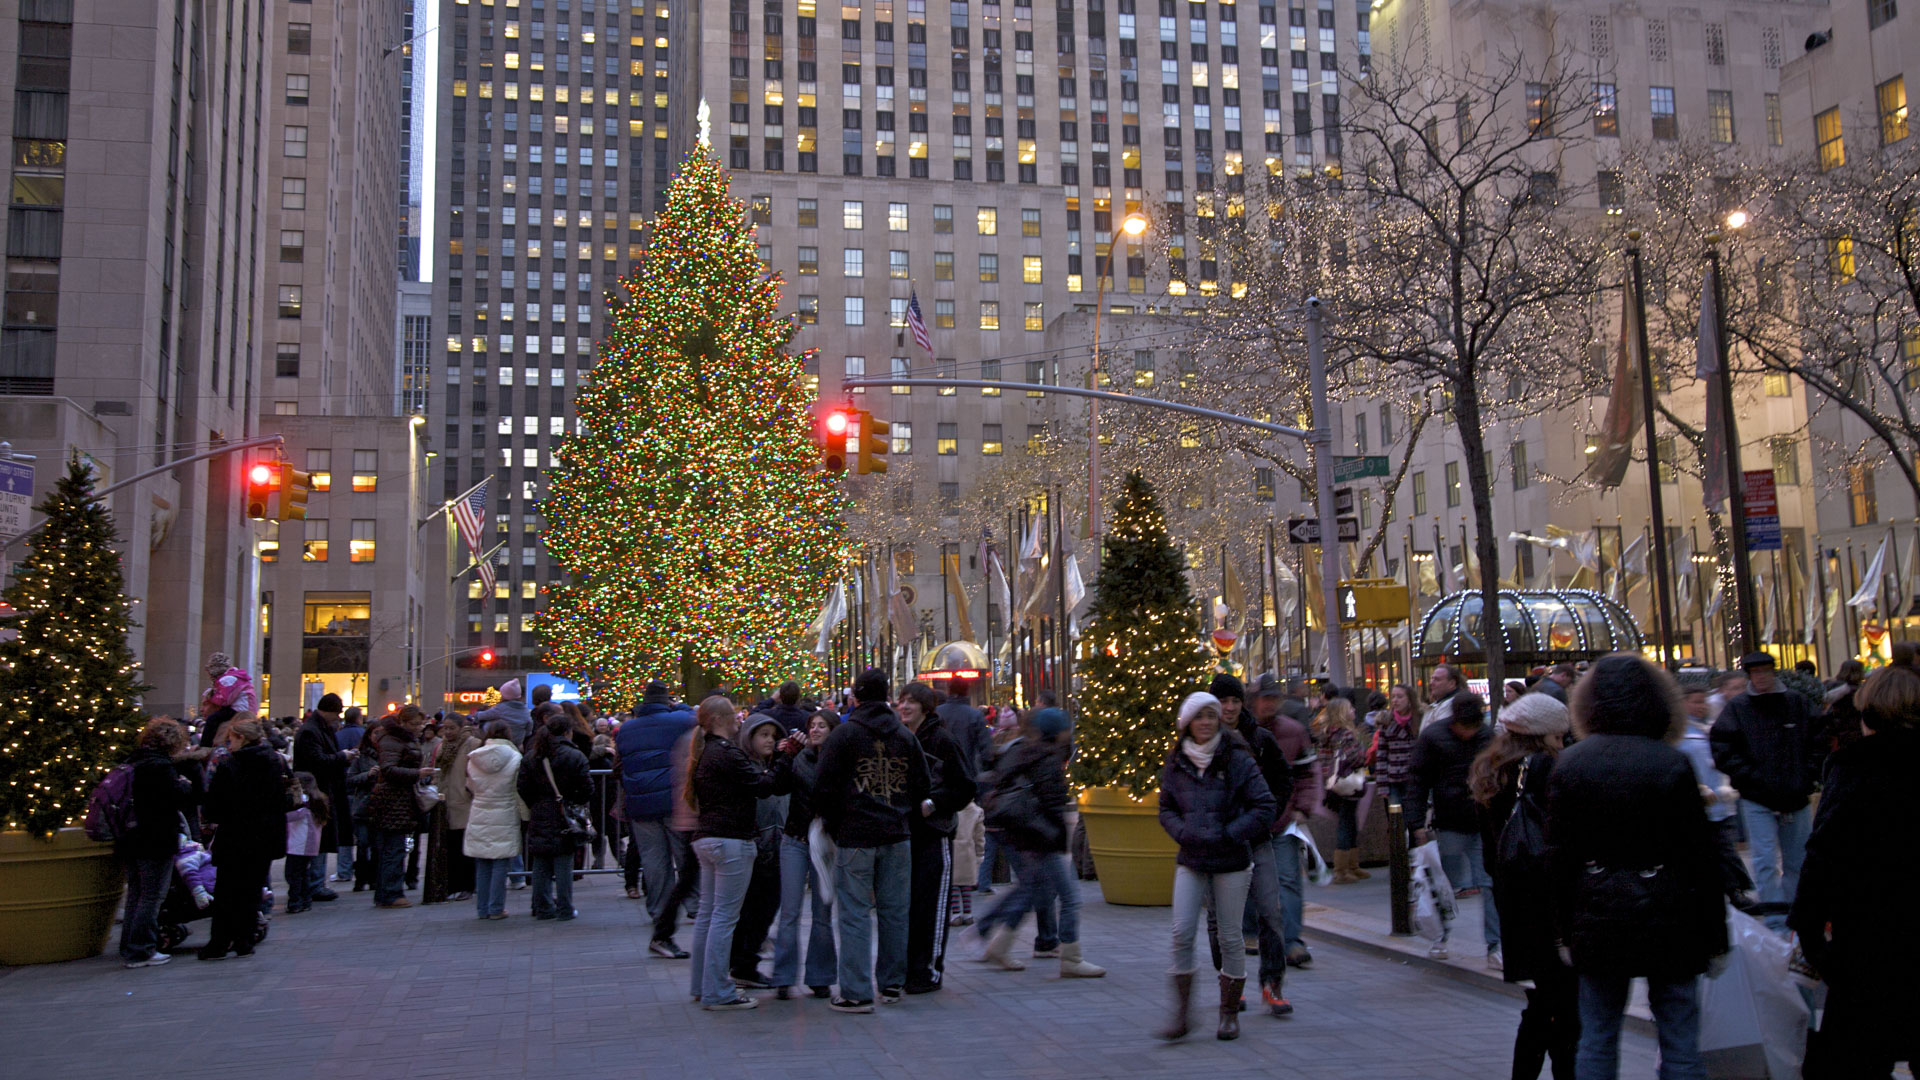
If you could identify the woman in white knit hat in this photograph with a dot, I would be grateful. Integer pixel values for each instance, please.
(1214, 803)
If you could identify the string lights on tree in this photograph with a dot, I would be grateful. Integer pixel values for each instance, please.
(69, 699)
(1144, 650)
(687, 508)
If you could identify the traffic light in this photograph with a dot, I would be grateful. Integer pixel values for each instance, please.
(293, 493)
(834, 426)
(873, 445)
(486, 657)
(262, 479)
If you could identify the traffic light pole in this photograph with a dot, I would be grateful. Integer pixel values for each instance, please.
(1321, 437)
(219, 451)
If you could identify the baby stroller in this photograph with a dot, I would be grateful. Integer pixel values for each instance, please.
(190, 897)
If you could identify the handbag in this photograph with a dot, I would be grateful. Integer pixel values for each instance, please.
(427, 796)
(574, 816)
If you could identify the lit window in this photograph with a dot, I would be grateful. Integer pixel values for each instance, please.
(1720, 115)
(1840, 258)
(897, 265)
(1777, 384)
(360, 545)
(902, 369)
(943, 219)
(366, 470)
(1665, 124)
(989, 268)
(809, 260)
(946, 442)
(852, 214)
(1035, 318)
(990, 442)
(943, 266)
(269, 546)
(1832, 152)
(807, 213)
(314, 547)
(1030, 269)
(1786, 459)
(1892, 96)
(1606, 109)
(896, 217)
(901, 431)
(943, 317)
(989, 314)
(289, 301)
(1029, 223)
(988, 221)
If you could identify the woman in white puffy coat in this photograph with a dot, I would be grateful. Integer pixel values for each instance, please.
(493, 821)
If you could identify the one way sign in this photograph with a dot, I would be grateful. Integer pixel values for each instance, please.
(1303, 530)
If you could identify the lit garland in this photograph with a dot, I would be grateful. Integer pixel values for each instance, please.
(69, 702)
(1143, 650)
(688, 509)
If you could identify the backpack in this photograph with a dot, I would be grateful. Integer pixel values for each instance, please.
(110, 807)
(1522, 853)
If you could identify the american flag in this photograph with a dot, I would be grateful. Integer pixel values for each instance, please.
(466, 515)
(918, 323)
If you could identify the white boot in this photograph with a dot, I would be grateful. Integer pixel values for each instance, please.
(1072, 967)
(1000, 950)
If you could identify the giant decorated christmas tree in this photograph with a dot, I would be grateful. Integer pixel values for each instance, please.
(1143, 650)
(69, 701)
(688, 510)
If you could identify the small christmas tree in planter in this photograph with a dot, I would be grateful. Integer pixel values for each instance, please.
(1143, 659)
(69, 712)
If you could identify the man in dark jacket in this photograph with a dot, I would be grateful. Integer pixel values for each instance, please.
(966, 724)
(873, 775)
(1262, 919)
(644, 748)
(1766, 742)
(1442, 758)
(1296, 801)
(950, 770)
(786, 708)
(316, 750)
(160, 795)
(247, 802)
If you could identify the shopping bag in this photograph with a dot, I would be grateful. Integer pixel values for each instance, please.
(821, 850)
(1317, 869)
(1433, 907)
(1753, 1019)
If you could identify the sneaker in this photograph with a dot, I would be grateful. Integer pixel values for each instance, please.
(733, 1004)
(821, 992)
(890, 995)
(1495, 961)
(851, 1005)
(1437, 951)
(1298, 956)
(207, 952)
(922, 988)
(497, 915)
(152, 961)
(1276, 1004)
(959, 920)
(343, 877)
(665, 949)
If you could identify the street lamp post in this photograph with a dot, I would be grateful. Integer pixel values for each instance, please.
(1736, 479)
(1133, 226)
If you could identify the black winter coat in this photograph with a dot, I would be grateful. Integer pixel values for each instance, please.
(968, 727)
(398, 758)
(1860, 878)
(1275, 769)
(1525, 902)
(1216, 817)
(1437, 777)
(797, 785)
(316, 750)
(953, 779)
(1619, 807)
(247, 801)
(160, 795)
(1043, 766)
(1769, 747)
(729, 784)
(872, 775)
(547, 827)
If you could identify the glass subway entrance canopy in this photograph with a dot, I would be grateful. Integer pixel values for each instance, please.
(1544, 626)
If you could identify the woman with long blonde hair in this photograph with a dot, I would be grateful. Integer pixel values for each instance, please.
(1337, 741)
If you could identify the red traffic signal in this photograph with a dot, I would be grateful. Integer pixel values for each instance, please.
(835, 427)
(837, 422)
(261, 475)
(263, 479)
(486, 657)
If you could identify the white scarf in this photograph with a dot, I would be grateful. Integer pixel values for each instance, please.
(1201, 754)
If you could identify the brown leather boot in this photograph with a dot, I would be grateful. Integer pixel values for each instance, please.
(1353, 865)
(1343, 867)
(1229, 1008)
(1181, 1021)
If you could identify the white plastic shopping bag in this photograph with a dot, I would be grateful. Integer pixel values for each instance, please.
(1753, 1018)
(821, 849)
(1318, 871)
(1433, 907)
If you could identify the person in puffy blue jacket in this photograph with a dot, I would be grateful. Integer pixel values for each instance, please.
(644, 748)
(1214, 803)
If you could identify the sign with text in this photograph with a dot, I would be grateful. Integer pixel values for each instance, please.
(1762, 505)
(1358, 468)
(1302, 530)
(16, 496)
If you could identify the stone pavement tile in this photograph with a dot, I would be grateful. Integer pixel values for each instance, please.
(434, 992)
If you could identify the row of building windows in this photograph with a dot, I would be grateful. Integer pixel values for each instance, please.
(316, 544)
(853, 312)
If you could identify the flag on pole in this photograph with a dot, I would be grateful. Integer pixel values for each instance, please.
(467, 513)
(831, 612)
(1867, 597)
(1683, 576)
(1231, 589)
(918, 323)
(899, 612)
(1714, 483)
(1442, 562)
(1608, 465)
(958, 593)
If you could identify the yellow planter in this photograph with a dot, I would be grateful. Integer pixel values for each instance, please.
(1131, 852)
(57, 897)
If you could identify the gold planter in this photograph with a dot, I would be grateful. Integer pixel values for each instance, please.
(1131, 852)
(57, 897)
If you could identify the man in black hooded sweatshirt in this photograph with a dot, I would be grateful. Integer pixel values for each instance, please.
(950, 770)
(872, 775)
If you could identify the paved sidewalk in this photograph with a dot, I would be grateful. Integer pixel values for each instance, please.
(428, 992)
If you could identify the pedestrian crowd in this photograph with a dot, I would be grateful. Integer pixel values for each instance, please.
(1599, 818)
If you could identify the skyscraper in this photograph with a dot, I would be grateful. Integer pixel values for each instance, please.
(551, 153)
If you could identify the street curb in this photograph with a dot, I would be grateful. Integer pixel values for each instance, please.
(1476, 979)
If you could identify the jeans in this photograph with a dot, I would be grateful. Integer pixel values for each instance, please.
(1460, 855)
(1346, 834)
(147, 882)
(685, 888)
(1041, 878)
(1676, 1016)
(1778, 843)
(552, 877)
(990, 849)
(342, 863)
(1286, 868)
(490, 886)
(872, 885)
(299, 871)
(1265, 903)
(661, 851)
(389, 865)
(726, 866)
(1194, 894)
(799, 881)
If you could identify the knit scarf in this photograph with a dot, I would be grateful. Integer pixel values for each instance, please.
(1201, 754)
